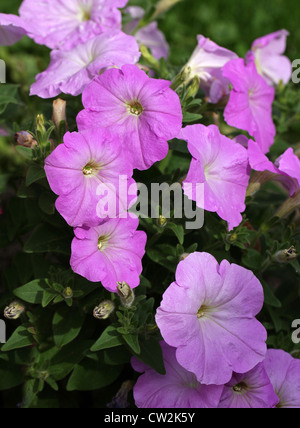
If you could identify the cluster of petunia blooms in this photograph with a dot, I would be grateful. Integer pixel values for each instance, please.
(214, 348)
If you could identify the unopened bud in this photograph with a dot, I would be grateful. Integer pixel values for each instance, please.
(40, 123)
(104, 310)
(193, 88)
(162, 221)
(59, 112)
(257, 180)
(126, 294)
(164, 5)
(184, 256)
(23, 138)
(68, 293)
(14, 311)
(286, 256)
(120, 401)
(153, 63)
(289, 206)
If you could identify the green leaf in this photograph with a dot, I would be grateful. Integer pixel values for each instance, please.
(191, 117)
(90, 375)
(151, 354)
(51, 382)
(10, 375)
(47, 239)
(47, 203)
(30, 392)
(26, 152)
(48, 296)
(132, 341)
(117, 356)
(270, 298)
(252, 259)
(32, 292)
(5, 100)
(178, 231)
(66, 358)
(67, 324)
(21, 338)
(108, 339)
(35, 173)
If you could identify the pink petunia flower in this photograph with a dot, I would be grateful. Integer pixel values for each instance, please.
(12, 29)
(284, 373)
(178, 388)
(144, 112)
(252, 390)
(207, 62)
(219, 173)
(267, 52)
(110, 253)
(250, 103)
(70, 72)
(286, 168)
(64, 24)
(89, 172)
(208, 314)
(149, 35)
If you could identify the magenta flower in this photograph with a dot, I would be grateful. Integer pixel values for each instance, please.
(149, 35)
(267, 52)
(250, 103)
(87, 172)
(208, 314)
(207, 62)
(110, 253)
(70, 72)
(68, 23)
(12, 29)
(252, 390)
(144, 112)
(284, 373)
(286, 168)
(218, 175)
(178, 388)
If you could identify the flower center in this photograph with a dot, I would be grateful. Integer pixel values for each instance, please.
(202, 312)
(102, 242)
(239, 388)
(91, 169)
(85, 11)
(135, 108)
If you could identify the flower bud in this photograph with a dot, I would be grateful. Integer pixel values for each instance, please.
(257, 180)
(164, 5)
(153, 63)
(68, 293)
(289, 206)
(104, 310)
(126, 294)
(286, 256)
(184, 256)
(14, 311)
(120, 401)
(25, 139)
(162, 221)
(59, 112)
(40, 123)
(193, 88)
